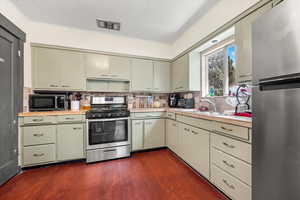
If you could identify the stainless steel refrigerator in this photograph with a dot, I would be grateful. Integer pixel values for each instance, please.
(276, 104)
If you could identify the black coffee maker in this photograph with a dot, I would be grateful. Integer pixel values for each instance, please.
(173, 100)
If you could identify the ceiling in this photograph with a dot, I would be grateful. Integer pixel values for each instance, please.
(158, 20)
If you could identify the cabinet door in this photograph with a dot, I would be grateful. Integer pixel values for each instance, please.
(141, 75)
(97, 66)
(137, 131)
(161, 76)
(180, 74)
(243, 40)
(71, 70)
(198, 150)
(172, 136)
(70, 141)
(154, 133)
(45, 62)
(183, 150)
(119, 67)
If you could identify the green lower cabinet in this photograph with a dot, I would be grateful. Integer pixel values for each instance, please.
(70, 139)
(148, 134)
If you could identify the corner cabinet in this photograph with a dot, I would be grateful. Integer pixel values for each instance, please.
(56, 69)
(243, 41)
(141, 75)
(148, 130)
(161, 79)
(186, 73)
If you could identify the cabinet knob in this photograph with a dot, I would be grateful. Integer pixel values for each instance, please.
(77, 128)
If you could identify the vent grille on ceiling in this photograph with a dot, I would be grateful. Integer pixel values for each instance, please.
(108, 25)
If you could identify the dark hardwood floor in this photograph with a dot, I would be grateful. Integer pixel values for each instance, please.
(154, 175)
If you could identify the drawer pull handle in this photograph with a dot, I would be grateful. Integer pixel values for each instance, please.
(37, 120)
(195, 133)
(38, 155)
(229, 185)
(38, 135)
(229, 165)
(65, 86)
(69, 118)
(226, 129)
(53, 85)
(228, 145)
(77, 128)
(186, 129)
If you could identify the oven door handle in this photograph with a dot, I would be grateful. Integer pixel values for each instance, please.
(105, 120)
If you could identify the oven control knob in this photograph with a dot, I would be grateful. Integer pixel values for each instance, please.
(108, 114)
(99, 115)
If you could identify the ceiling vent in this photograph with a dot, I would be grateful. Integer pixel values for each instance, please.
(116, 26)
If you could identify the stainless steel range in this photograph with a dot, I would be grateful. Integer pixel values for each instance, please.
(109, 130)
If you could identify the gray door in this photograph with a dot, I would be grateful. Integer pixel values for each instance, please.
(9, 101)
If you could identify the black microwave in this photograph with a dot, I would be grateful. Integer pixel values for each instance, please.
(43, 102)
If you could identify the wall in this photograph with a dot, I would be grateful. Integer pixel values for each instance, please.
(223, 12)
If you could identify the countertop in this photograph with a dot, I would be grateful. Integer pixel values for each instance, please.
(235, 120)
(52, 113)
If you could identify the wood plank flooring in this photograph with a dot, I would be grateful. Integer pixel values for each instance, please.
(154, 175)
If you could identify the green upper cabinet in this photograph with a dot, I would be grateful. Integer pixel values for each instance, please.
(119, 67)
(243, 41)
(56, 69)
(141, 75)
(107, 67)
(162, 71)
(186, 73)
(97, 65)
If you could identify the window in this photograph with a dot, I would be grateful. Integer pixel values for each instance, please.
(219, 69)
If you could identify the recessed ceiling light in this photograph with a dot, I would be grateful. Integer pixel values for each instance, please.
(108, 25)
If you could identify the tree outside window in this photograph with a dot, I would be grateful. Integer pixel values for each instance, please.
(219, 70)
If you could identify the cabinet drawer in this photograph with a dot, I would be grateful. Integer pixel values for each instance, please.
(33, 135)
(233, 147)
(200, 123)
(39, 120)
(230, 185)
(171, 115)
(149, 114)
(38, 154)
(236, 131)
(233, 166)
(70, 118)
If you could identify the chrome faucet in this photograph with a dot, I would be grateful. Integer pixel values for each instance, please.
(210, 102)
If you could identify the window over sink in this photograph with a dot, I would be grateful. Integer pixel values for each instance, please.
(219, 70)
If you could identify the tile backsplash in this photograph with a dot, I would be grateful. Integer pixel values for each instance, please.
(147, 100)
(134, 100)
